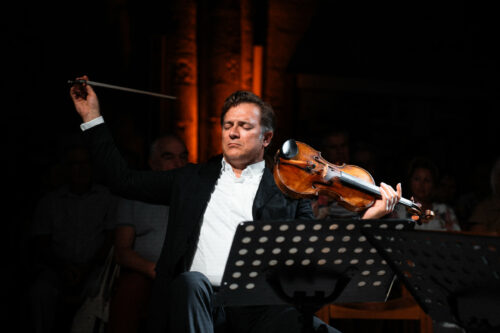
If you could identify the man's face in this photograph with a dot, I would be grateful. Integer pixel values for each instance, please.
(243, 142)
(169, 154)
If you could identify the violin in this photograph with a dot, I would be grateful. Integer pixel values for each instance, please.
(301, 172)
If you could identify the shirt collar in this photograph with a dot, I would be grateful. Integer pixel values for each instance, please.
(252, 170)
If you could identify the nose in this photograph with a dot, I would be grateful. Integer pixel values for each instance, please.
(234, 132)
(178, 162)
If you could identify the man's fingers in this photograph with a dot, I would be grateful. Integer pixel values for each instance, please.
(394, 197)
(399, 190)
(390, 195)
(385, 196)
(80, 91)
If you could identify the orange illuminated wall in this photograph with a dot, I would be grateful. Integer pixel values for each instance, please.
(209, 55)
(258, 59)
(180, 75)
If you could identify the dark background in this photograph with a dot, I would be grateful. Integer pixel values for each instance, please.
(426, 71)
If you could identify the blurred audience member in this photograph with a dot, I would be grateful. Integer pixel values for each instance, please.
(364, 156)
(476, 189)
(139, 235)
(72, 233)
(446, 190)
(422, 178)
(486, 215)
(335, 148)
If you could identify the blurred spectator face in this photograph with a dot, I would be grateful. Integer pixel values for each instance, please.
(169, 153)
(336, 149)
(422, 184)
(366, 159)
(79, 168)
(447, 189)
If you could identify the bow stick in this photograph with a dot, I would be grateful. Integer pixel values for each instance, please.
(110, 86)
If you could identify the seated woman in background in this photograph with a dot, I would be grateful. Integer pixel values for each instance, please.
(486, 215)
(422, 178)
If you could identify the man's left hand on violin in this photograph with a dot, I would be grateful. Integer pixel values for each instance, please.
(386, 204)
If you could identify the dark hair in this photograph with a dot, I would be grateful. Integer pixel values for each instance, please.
(267, 118)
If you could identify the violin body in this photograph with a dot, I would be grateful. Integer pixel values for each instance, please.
(301, 172)
(299, 181)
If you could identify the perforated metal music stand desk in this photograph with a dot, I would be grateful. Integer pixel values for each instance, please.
(454, 277)
(306, 263)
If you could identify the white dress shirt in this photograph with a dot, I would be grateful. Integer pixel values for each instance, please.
(230, 204)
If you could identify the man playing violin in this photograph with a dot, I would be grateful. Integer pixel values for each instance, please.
(207, 201)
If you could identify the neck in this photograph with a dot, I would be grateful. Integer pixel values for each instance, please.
(238, 168)
(237, 172)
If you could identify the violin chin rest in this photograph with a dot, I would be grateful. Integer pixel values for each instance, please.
(289, 149)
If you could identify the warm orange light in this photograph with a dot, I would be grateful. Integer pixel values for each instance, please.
(189, 122)
(258, 56)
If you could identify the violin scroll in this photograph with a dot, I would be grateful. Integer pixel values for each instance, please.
(417, 215)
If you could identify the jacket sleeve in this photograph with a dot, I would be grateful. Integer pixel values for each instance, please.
(149, 186)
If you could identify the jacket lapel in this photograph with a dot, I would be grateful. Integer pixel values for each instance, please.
(267, 189)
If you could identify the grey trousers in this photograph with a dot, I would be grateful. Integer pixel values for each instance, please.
(191, 307)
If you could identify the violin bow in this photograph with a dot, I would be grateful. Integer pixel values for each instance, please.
(111, 86)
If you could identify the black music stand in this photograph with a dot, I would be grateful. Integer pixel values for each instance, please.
(306, 263)
(454, 277)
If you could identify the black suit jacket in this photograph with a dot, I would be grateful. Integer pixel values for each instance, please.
(187, 191)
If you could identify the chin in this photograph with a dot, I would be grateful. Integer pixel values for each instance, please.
(233, 152)
(233, 157)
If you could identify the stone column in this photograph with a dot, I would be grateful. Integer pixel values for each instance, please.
(180, 74)
(287, 23)
(246, 45)
(219, 58)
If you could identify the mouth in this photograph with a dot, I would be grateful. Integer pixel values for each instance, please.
(233, 145)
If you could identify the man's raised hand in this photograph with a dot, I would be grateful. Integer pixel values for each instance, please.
(85, 100)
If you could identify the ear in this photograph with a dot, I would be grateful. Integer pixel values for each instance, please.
(267, 138)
